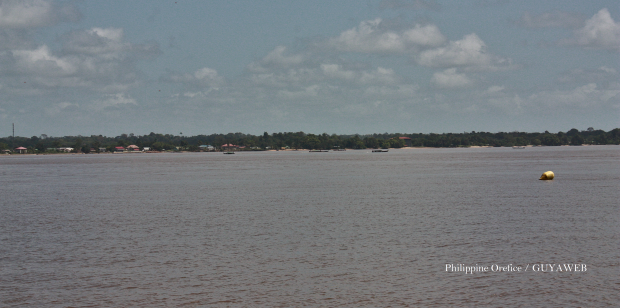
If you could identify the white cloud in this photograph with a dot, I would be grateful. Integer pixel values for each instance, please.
(372, 37)
(277, 58)
(25, 14)
(55, 109)
(105, 44)
(451, 79)
(581, 75)
(584, 96)
(410, 5)
(379, 76)
(206, 73)
(41, 61)
(311, 91)
(599, 32)
(509, 104)
(494, 90)
(404, 91)
(336, 71)
(550, 20)
(471, 52)
(428, 35)
(325, 73)
(608, 70)
(204, 77)
(93, 60)
(113, 100)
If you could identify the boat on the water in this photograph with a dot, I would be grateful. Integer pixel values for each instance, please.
(229, 152)
(319, 150)
(518, 147)
(379, 151)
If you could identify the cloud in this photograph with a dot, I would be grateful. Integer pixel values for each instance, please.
(336, 71)
(583, 97)
(555, 19)
(599, 32)
(451, 79)
(491, 3)
(510, 104)
(27, 14)
(586, 96)
(106, 43)
(40, 61)
(471, 52)
(371, 36)
(428, 35)
(311, 91)
(96, 59)
(113, 100)
(204, 77)
(493, 90)
(56, 109)
(402, 91)
(581, 75)
(19, 20)
(409, 5)
(277, 58)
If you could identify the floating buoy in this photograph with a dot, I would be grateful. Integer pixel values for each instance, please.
(547, 176)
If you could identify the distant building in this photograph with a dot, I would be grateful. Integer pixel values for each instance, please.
(133, 148)
(229, 147)
(21, 150)
(407, 140)
(119, 149)
(103, 150)
(146, 149)
(206, 148)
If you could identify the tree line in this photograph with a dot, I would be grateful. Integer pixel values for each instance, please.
(301, 140)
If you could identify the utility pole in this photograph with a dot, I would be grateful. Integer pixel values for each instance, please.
(13, 139)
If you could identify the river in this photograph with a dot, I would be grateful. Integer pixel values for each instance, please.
(294, 228)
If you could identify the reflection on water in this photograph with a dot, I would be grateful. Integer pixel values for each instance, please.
(290, 229)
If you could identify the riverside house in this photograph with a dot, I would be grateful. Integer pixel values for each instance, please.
(229, 147)
(206, 148)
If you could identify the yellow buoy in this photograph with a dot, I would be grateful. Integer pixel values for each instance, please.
(547, 176)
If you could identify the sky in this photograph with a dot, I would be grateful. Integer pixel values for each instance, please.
(339, 67)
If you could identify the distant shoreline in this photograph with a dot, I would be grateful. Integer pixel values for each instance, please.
(287, 150)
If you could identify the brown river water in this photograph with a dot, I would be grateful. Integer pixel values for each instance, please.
(300, 229)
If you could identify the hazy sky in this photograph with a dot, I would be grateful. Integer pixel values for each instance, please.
(202, 67)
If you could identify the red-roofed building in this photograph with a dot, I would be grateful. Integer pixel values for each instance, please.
(119, 149)
(229, 147)
(21, 150)
(407, 140)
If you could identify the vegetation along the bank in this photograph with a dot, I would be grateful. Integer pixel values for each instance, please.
(301, 140)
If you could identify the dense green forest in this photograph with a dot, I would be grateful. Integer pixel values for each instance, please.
(301, 140)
